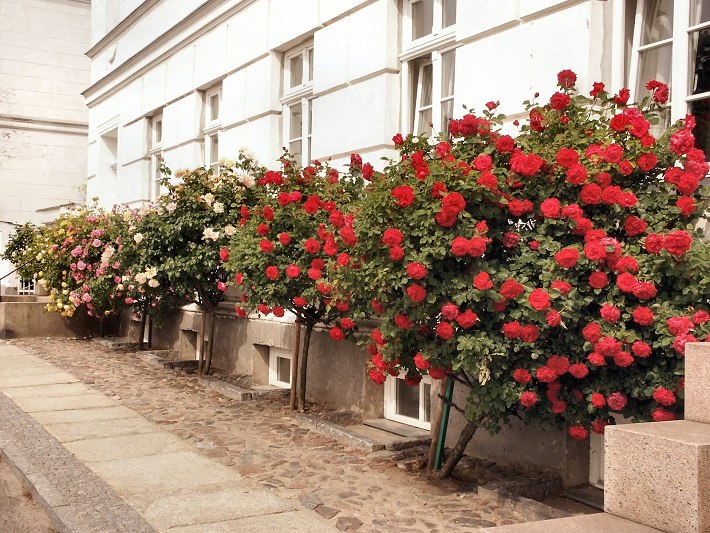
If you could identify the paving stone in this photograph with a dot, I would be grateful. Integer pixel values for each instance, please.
(83, 415)
(73, 431)
(47, 391)
(123, 447)
(294, 521)
(79, 401)
(41, 379)
(348, 523)
(326, 512)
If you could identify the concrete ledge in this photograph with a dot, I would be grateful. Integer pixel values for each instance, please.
(697, 377)
(658, 474)
(590, 523)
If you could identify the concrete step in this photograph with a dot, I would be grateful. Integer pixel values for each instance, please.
(590, 523)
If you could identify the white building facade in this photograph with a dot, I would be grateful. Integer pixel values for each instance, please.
(43, 117)
(192, 81)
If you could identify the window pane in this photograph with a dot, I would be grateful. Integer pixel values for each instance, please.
(214, 107)
(296, 125)
(447, 73)
(294, 148)
(295, 68)
(699, 12)
(214, 149)
(283, 369)
(427, 402)
(699, 70)
(422, 18)
(310, 64)
(701, 110)
(425, 86)
(447, 113)
(424, 123)
(658, 21)
(654, 64)
(158, 131)
(448, 15)
(407, 399)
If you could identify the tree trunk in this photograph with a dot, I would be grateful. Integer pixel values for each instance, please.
(101, 327)
(141, 334)
(201, 343)
(294, 363)
(150, 333)
(453, 459)
(212, 318)
(303, 367)
(438, 411)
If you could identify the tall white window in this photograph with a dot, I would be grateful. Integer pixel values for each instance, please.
(671, 43)
(428, 65)
(156, 144)
(213, 124)
(280, 367)
(406, 404)
(297, 102)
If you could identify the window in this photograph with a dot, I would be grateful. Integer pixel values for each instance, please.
(156, 155)
(428, 65)
(27, 287)
(671, 43)
(297, 103)
(408, 405)
(280, 367)
(213, 124)
(108, 154)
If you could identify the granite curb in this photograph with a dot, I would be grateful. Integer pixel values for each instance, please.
(73, 497)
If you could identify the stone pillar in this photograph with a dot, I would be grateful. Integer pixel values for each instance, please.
(658, 474)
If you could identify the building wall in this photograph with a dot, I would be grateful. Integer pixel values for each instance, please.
(43, 118)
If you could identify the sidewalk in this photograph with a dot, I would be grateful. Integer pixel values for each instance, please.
(184, 457)
(167, 486)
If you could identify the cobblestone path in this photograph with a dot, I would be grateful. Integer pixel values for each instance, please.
(260, 440)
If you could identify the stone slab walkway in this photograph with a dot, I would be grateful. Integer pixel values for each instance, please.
(121, 416)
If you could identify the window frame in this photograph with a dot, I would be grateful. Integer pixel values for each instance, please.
(437, 31)
(274, 354)
(212, 128)
(390, 402)
(156, 155)
(299, 94)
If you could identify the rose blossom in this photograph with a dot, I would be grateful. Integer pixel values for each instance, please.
(662, 415)
(664, 396)
(416, 292)
(567, 257)
(416, 270)
(539, 300)
(467, 319)
(482, 281)
(528, 399)
(521, 375)
(578, 432)
(617, 401)
(643, 316)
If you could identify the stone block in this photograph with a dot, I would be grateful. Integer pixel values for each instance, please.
(658, 474)
(590, 523)
(697, 377)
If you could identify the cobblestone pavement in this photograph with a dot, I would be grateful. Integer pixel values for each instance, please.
(261, 440)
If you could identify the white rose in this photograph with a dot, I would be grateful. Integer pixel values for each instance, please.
(138, 237)
(153, 282)
(151, 272)
(218, 207)
(209, 233)
(141, 278)
(229, 230)
(170, 208)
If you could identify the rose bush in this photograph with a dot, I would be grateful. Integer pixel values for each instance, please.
(545, 271)
(289, 243)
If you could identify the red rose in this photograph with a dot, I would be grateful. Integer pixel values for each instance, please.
(592, 332)
(566, 79)
(616, 401)
(682, 141)
(677, 242)
(222, 286)
(680, 342)
(643, 316)
(404, 195)
(519, 208)
(623, 359)
(687, 183)
(567, 257)
(483, 162)
(504, 144)
(402, 321)
(444, 330)
(272, 272)
(534, 245)
(700, 317)
(550, 208)
(311, 246)
(539, 300)
(594, 251)
(530, 333)
(610, 313)
(398, 140)
(526, 164)
(224, 254)
(266, 246)
(625, 168)
(416, 292)
(598, 280)
(647, 161)
(635, 226)
(626, 282)
(488, 180)
(511, 289)
(343, 259)
(686, 204)
(577, 174)
(449, 311)
(512, 330)
(662, 415)
(613, 153)
(477, 246)
(578, 370)
(315, 273)
(598, 400)
(645, 290)
(653, 243)
(437, 373)
(293, 271)
(597, 87)
(522, 376)
(679, 325)
(528, 399)
(559, 101)
(482, 281)
(299, 301)
(566, 157)
(622, 97)
(596, 359)
(559, 364)
(626, 264)
(599, 425)
(453, 202)
(628, 199)
(578, 432)
(421, 363)
(278, 311)
(416, 270)
(562, 286)
(377, 376)
(612, 195)
(590, 194)
(392, 237)
(459, 246)
(607, 346)
(396, 253)
(664, 396)
(641, 349)
(467, 319)
(572, 211)
(545, 374)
